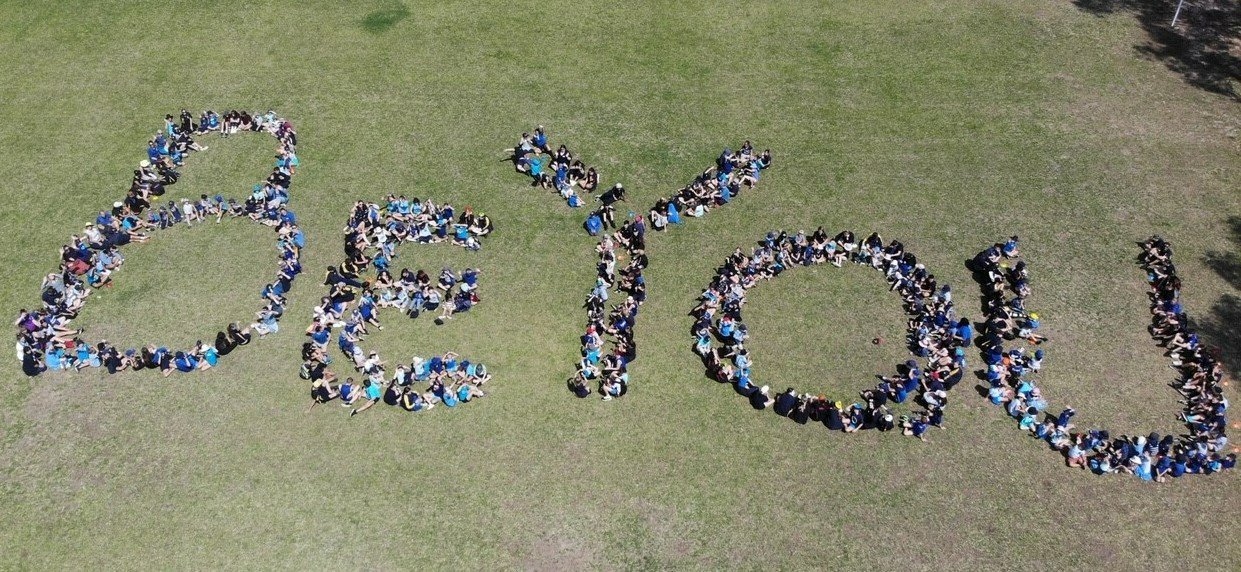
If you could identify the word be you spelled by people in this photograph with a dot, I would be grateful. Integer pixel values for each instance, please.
(367, 282)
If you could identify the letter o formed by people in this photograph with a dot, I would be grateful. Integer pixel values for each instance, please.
(46, 339)
(934, 334)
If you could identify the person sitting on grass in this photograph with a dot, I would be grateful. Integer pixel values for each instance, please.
(460, 302)
(915, 426)
(414, 402)
(785, 402)
(467, 391)
(373, 392)
(321, 391)
(350, 392)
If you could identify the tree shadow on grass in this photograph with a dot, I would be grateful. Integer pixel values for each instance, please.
(1205, 46)
(383, 19)
(1228, 264)
(1222, 328)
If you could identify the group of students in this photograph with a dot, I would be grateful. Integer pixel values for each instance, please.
(559, 171)
(934, 334)
(233, 121)
(46, 339)
(610, 373)
(717, 186)
(352, 305)
(1010, 375)
(380, 228)
(418, 386)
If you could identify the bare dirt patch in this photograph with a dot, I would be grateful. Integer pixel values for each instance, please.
(560, 552)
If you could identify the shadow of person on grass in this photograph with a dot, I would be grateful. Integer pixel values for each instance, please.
(1202, 46)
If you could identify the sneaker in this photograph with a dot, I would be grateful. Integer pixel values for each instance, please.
(352, 413)
(607, 398)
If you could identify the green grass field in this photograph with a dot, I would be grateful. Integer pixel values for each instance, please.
(945, 124)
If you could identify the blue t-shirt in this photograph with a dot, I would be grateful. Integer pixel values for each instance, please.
(185, 363)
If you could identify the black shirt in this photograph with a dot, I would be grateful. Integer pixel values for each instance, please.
(785, 403)
(832, 419)
(317, 371)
